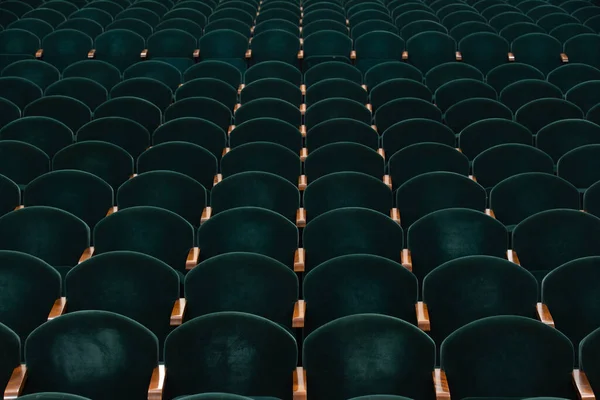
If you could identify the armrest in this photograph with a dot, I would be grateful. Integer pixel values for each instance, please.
(387, 180)
(301, 42)
(157, 383)
(91, 53)
(299, 260)
(192, 258)
(58, 308)
(584, 389)
(301, 218)
(473, 178)
(206, 214)
(458, 56)
(302, 182)
(299, 312)
(369, 107)
(406, 259)
(19, 207)
(303, 130)
(364, 87)
(511, 256)
(303, 153)
(39, 54)
(423, 316)
(86, 255)
(177, 312)
(395, 215)
(544, 315)
(144, 54)
(236, 107)
(374, 127)
(248, 54)
(196, 54)
(564, 58)
(381, 152)
(490, 212)
(218, 178)
(303, 87)
(299, 388)
(240, 88)
(353, 55)
(442, 392)
(16, 382)
(112, 210)
(225, 151)
(132, 176)
(300, 54)
(302, 108)
(511, 57)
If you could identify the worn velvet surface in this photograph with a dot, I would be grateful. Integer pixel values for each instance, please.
(125, 133)
(89, 92)
(214, 69)
(341, 130)
(148, 89)
(10, 195)
(119, 47)
(134, 108)
(398, 110)
(449, 71)
(416, 130)
(19, 91)
(343, 157)
(193, 130)
(482, 135)
(45, 133)
(391, 70)
(273, 69)
(519, 93)
(503, 75)
(208, 87)
(559, 137)
(99, 71)
(398, 88)
(266, 129)
(10, 352)
(335, 87)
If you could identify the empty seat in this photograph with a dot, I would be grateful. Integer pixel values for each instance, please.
(38, 72)
(67, 110)
(390, 70)
(99, 71)
(464, 29)
(416, 27)
(119, 47)
(398, 88)
(457, 90)
(89, 92)
(341, 130)
(416, 130)
(140, 13)
(200, 107)
(135, 25)
(484, 50)
(578, 166)
(36, 26)
(325, 46)
(17, 44)
(519, 93)
(336, 107)
(157, 70)
(48, 15)
(466, 112)
(224, 45)
(19, 91)
(274, 88)
(569, 75)
(273, 69)
(428, 49)
(342, 156)
(584, 95)
(402, 109)
(173, 46)
(515, 31)
(275, 45)
(64, 47)
(376, 47)
(559, 137)
(504, 19)
(447, 72)
(482, 135)
(539, 113)
(193, 130)
(47, 134)
(555, 19)
(208, 87)
(583, 49)
(539, 50)
(11, 348)
(134, 108)
(22, 162)
(184, 24)
(505, 74)
(148, 89)
(567, 31)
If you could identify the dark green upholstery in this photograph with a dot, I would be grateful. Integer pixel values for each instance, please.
(208, 87)
(10, 349)
(572, 74)
(341, 130)
(228, 11)
(504, 19)
(315, 15)
(84, 195)
(249, 229)
(567, 31)
(140, 13)
(429, 238)
(593, 114)
(391, 70)
(335, 87)
(469, 288)
(125, 133)
(71, 112)
(514, 31)
(356, 284)
(434, 191)
(558, 138)
(588, 356)
(457, 90)
(324, 25)
(405, 108)
(102, 72)
(138, 26)
(134, 108)
(428, 49)
(110, 7)
(185, 13)
(539, 12)
(526, 6)
(343, 156)
(458, 17)
(468, 28)
(416, 27)
(10, 195)
(270, 108)
(553, 20)
(369, 14)
(150, 230)
(47, 134)
(9, 112)
(537, 49)
(585, 13)
(450, 71)
(482, 135)
(273, 88)
(584, 95)
(193, 130)
(155, 69)
(445, 8)
(380, 397)
(19, 91)
(421, 158)
(325, 45)
(492, 11)
(578, 166)
(243, 282)
(591, 202)
(206, 355)
(351, 230)
(16, 7)
(578, 49)
(155, 6)
(505, 74)
(38, 72)
(119, 47)
(66, 46)
(376, 47)
(102, 355)
(148, 89)
(275, 45)
(186, 158)
(55, 236)
(18, 41)
(415, 15)
(180, 23)
(7, 17)
(519, 93)
(466, 112)
(165, 189)
(256, 189)
(379, 354)
(173, 46)
(415, 130)
(336, 107)
(508, 356)
(273, 69)
(224, 45)
(105, 160)
(53, 396)
(22, 162)
(87, 91)
(398, 88)
(270, 130)
(367, 26)
(269, 24)
(132, 284)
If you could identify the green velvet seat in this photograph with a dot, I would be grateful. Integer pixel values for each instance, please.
(53, 235)
(22, 162)
(585, 13)
(343, 156)
(173, 46)
(140, 13)
(473, 287)
(208, 87)
(70, 111)
(9, 111)
(186, 13)
(87, 91)
(263, 366)
(376, 47)
(572, 74)
(578, 48)
(47, 134)
(367, 26)
(398, 88)
(36, 26)
(7, 17)
(539, 50)
(335, 87)
(273, 69)
(193, 130)
(200, 107)
(106, 5)
(10, 348)
(224, 45)
(413, 131)
(16, 42)
(275, 45)
(584, 95)
(491, 11)
(457, 90)
(573, 5)
(325, 45)
(119, 47)
(249, 229)
(429, 49)
(336, 107)
(157, 7)
(450, 71)
(99, 71)
(148, 89)
(180, 23)
(539, 12)
(48, 15)
(404, 356)
(65, 46)
(272, 24)
(578, 166)
(267, 129)
(553, 20)
(371, 14)
(315, 15)
(510, 356)
(559, 137)
(101, 17)
(502, 20)
(125, 133)
(10, 195)
(380, 397)
(38, 72)
(588, 356)
(244, 282)
(484, 50)
(228, 11)
(519, 29)
(407, 17)
(458, 17)
(434, 191)
(567, 31)
(123, 341)
(282, 5)
(466, 112)
(16, 7)
(157, 70)
(482, 135)
(403, 109)
(464, 29)
(370, 284)
(593, 115)
(391, 70)
(273, 88)
(519, 93)
(135, 25)
(80, 193)
(107, 161)
(269, 108)
(53, 396)
(505, 74)
(341, 130)
(593, 23)
(134, 108)
(416, 27)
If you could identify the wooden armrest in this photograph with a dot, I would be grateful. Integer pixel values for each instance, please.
(196, 54)
(369, 107)
(177, 312)
(564, 58)
(490, 212)
(302, 108)
(132, 176)
(301, 218)
(511, 57)
(395, 215)
(300, 54)
(365, 87)
(423, 316)
(39, 54)
(544, 315)
(248, 54)
(230, 129)
(299, 260)
(58, 308)
(405, 55)
(303, 130)
(19, 207)
(299, 312)
(374, 127)
(144, 54)
(406, 259)
(302, 182)
(91, 53)
(218, 178)
(206, 214)
(157, 383)
(353, 55)
(236, 107)
(442, 392)
(381, 152)
(301, 42)
(303, 153)
(240, 88)
(458, 56)
(86, 255)
(584, 389)
(112, 210)
(511, 256)
(16, 383)
(303, 89)
(225, 151)
(387, 180)
(299, 387)
(192, 258)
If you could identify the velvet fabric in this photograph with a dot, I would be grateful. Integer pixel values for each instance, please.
(135, 25)
(99, 71)
(507, 18)
(413, 131)
(66, 46)
(243, 13)
(391, 70)
(273, 88)
(482, 135)
(519, 93)
(125, 133)
(244, 282)
(584, 95)
(465, 112)
(18, 41)
(465, 29)
(193, 130)
(273, 69)
(341, 130)
(148, 89)
(458, 17)
(508, 356)
(416, 27)
(572, 74)
(19, 91)
(208, 87)
(270, 108)
(593, 115)
(567, 31)
(539, 50)
(355, 284)
(315, 15)
(134, 108)
(398, 88)
(97, 15)
(325, 45)
(380, 354)
(119, 47)
(457, 90)
(369, 14)
(186, 158)
(53, 396)
(156, 7)
(110, 7)
(170, 190)
(551, 238)
(505, 74)
(405, 108)
(67, 110)
(275, 44)
(516, 30)
(342, 157)
(588, 358)
(428, 49)
(87, 91)
(377, 46)
(230, 352)
(10, 195)
(9, 112)
(214, 69)
(267, 129)
(448, 234)
(107, 161)
(324, 25)
(372, 25)
(270, 24)
(22, 162)
(336, 107)
(185, 12)
(256, 189)
(420, 158)
(98, 350)
(539, 12)
(578, 49)
(10, 351)
(591, 201)
(224, 45)
(560, 137)
(158, 70)
(380, 397)
(335, 87)
(415, 15)
(174, 46)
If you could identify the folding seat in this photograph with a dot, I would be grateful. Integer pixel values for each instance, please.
(398, 88)
(579, 49)
(270, 108)
(125, 133)
(326, 46)
(465, 29)
(316, 15)
(208, 87)
(268, 25)
(594, 115)
(416, 27)
(282, 5)
(323, 351)
(539, 358)
(324, 25)
(407, 17)
(539, 12)
(518, 29)
(466, 112)
(203, 7)
(341, 130)
(234, 13)
(551, 238)
(7, 17)
(47, 134)
(11, 349)
(105, 5)
(449, 8)
(139, 110)
(336, 107)
(372, 25)
(559, 137)
(553, 20)
(492, 11)
(9, 112)
(358, 7)
(377, 47)
(135, 25)
(87, 91)
(571, 74)
(267, 129)
(412, 131)
(573, 5)
(11, 195)
(99, 71)
(148, 89)
(399, 8)
(369, 15)
(278, 13)
(105, 160)
(335, 88)
(19, 91)
(450, 71)
(193, 130)
(505, 74)
(567, 31)
(36, 26)
(118, 47)
(83, 25)
(458, 90)
(154, 6)
(519, 93)
(189, 14)
(21, 162)
(585, 13)
(538, 113)
(391, 70)
(526, 6)
(482, 135)
(505, 19)
(274, 45)
(143, 14)
(224, 45)
(578, 166)
(16, 7)
(16, 45)
(156, 70)
(48, 15)
(484, 50)
(460, 17)
(64, 7)
(273, 69)
(429, 49)
(323, 5)
(402, 109)
(95, 14)
(67, 110)
(539, 50)
(183, 24)
(331, 70)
